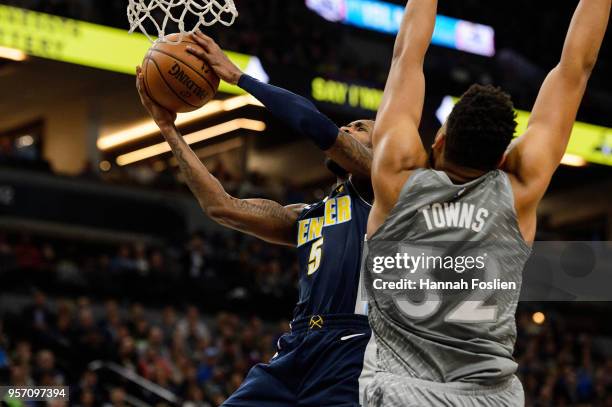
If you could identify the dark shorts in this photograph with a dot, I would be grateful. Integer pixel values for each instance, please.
(318, 364)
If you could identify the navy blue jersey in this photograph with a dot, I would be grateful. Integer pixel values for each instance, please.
(329, 242)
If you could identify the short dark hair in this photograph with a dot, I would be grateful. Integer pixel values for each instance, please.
(480, 128)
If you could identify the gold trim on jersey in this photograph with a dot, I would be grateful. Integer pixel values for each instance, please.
(337, 211)
(316, 321)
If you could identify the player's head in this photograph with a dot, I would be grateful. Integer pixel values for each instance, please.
(478, 130)
(360, 130)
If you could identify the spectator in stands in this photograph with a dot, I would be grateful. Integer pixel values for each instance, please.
(88, 387)
(207, 365)
(168, 323)
(195, 395)
(45, 372)
(153, 366)
(195, 255)
(117, 398)
(141, 262)
(192, 328)
(122, 261)
(89, 341)
(86, 399)
(158, 262)
(111, 322)
(127, 355)
(20, 376)
(67, 269)
(38, 315)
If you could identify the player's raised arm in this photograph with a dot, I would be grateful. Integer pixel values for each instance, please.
(297, 112)
(535, 156)
(397, 145)
(261, 218)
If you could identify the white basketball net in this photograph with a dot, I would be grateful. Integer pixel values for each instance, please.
(160, 13)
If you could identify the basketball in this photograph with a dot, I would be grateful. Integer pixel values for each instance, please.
(177, 80)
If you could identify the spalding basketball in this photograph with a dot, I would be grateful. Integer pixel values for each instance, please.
(176, 79)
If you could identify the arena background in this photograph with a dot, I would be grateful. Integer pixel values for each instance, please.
(113, 282)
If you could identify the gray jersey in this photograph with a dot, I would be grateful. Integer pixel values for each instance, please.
(468, 335)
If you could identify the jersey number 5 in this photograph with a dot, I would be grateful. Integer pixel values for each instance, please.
(314, 260)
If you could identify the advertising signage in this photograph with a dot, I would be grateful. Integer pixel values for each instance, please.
(386, 17)
(82, 43)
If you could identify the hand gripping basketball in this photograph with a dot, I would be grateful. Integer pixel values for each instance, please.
(176, 79)
(161, 115)
(208, 51)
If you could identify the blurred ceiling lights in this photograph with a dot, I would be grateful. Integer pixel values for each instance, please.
(148, 127)
(25, 141)
(538, 317)
(573, 160)
(12, 54)
(196, 137)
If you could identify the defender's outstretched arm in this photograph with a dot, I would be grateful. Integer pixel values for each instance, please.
(261, 218)
(397, 145)
(535, 156)
(297, 112)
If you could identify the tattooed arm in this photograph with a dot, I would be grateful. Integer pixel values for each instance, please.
(262, 218)
(350, 153)
(297, 112)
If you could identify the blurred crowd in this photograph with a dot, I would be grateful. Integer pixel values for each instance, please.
(218, 270)
(203, 357)
(157, 174)
(183, 318)
(200, 359)
(561, 366)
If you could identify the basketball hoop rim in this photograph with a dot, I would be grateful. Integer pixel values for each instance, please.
(208, 13)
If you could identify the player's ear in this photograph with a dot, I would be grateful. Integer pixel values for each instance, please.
(439, 141)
